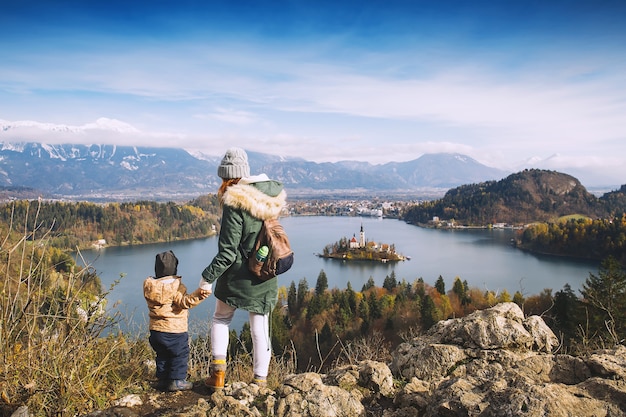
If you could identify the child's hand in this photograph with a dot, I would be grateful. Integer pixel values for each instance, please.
(201, 294)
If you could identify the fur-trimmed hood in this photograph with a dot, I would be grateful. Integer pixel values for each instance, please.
(263, 200)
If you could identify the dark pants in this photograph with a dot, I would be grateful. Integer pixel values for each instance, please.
(172, 354)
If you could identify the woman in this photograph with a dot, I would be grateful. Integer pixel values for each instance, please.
(246, 201)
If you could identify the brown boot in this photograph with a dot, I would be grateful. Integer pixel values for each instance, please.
(218, 375)
(216, 380)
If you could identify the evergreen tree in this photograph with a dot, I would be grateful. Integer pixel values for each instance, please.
(351, 298)
(605, 294)
(518, 299)
(364, 309)
(364, 313)
(461, 290)
(403, 291)
(440, 285)
(315, 306)
(322, 283)
(375, 308)
(369, 284)
(303, 291)
(292, 299)
(429, 312)
(565, 312)
(420, 288)
(346, 313)
(280, 332)
(390, 282)
(326, 334)
(243, 344)
(458, 288)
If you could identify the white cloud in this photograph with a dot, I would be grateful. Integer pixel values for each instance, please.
(236, 117)
(324, 103)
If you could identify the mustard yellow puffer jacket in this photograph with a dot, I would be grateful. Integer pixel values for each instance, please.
(168, 303)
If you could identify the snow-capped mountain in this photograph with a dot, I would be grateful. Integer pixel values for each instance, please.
(100, 170)
(126, 172)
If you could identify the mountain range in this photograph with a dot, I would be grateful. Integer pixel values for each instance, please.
(110, 172)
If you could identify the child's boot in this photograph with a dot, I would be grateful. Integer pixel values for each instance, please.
(216, 380)
(162, 384)
(180, 385)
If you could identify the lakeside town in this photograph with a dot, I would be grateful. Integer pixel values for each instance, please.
(388, 209)
(349, 207)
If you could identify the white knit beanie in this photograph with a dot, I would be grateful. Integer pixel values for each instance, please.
(234, 164)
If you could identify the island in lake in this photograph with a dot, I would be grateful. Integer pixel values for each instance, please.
(361, 250)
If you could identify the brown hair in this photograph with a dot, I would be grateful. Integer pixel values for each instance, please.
(226, 182)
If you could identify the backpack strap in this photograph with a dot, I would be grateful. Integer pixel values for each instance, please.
(244, 254)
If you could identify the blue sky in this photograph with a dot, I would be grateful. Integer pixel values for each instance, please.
(512, 84)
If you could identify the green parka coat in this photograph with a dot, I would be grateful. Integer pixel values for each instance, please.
(245, 205)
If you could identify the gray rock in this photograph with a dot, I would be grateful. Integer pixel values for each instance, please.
(493, 362)
(21, 412)
(305, 395)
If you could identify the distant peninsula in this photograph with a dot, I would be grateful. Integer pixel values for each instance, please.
(361, 250)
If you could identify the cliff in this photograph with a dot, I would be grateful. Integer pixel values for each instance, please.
(493, 362)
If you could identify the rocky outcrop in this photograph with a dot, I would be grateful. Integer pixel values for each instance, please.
(494, 362)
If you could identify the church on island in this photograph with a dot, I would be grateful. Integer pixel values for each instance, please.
(354, 244)
(361, 250)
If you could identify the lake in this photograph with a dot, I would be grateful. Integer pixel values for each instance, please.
(484, 258)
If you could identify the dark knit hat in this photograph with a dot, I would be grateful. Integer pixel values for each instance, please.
(166, 264)
(234, 164)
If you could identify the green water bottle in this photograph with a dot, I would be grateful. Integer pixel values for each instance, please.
(261, 254)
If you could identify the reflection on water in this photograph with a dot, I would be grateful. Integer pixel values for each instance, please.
(484, 258)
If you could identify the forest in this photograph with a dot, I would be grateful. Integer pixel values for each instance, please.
(577, 237)
(320, 322)
(79, 225)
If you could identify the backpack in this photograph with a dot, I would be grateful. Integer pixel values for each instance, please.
(280, 257)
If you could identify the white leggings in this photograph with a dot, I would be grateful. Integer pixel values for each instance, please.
(259, 328)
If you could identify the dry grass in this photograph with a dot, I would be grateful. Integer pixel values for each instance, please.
(59, 353)
(239, 366)
(373, 347)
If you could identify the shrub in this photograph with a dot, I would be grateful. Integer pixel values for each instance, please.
(60, 354)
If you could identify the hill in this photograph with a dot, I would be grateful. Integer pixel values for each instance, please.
(523, 197)
(615, 201)
(122, 173)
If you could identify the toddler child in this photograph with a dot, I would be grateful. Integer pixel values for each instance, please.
(168, 304)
